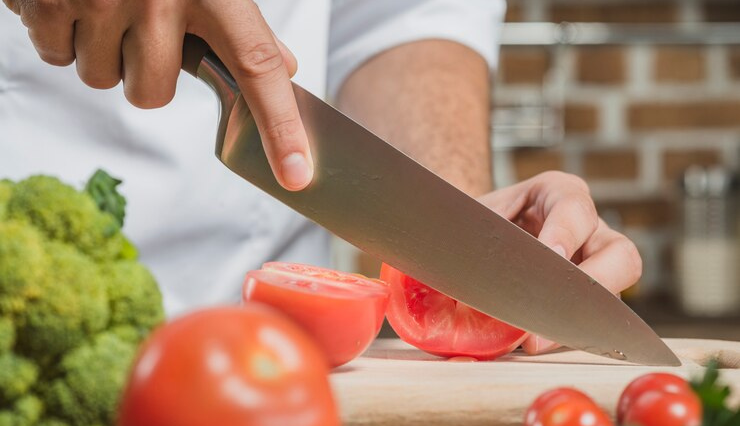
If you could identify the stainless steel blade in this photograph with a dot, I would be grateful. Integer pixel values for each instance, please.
(375, 197)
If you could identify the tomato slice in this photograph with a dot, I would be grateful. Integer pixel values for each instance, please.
(343, 312)
(441, 325)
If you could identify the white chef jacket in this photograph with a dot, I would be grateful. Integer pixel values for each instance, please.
(198, 226)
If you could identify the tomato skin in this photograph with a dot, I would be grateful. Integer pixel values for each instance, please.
(342, 312)
(246, 366)
(662, 382)
(565, 407)
(656, 408)
(435, 323)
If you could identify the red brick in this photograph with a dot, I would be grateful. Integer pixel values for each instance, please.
(616, 165)
(649, 213)
(684, 115)
(601, 65)
(734, 61)
(722, 11)
(680, 64)
(524, 65)
(580, 118)
(531, 162)
(646, 11)
(675, 162)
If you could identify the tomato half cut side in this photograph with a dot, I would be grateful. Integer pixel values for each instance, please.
(342, 312)
(440, 325)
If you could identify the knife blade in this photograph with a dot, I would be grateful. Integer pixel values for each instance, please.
(380, 200)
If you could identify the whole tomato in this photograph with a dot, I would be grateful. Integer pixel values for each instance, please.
(656, 408)
(565, 407)
(245, 366)
(662, 382)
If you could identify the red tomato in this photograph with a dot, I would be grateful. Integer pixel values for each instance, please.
(662, 382)
(656, 408)
(443, 326)
(565, 407)
(246, 366)
(343, 312)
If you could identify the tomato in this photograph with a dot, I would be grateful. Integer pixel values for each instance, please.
(343, 312)
(565, 407)
(662, 382)
(656, 408)
(443, 326)
(247, 366)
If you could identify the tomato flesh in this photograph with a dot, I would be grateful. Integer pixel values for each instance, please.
(342, 312)
(229, 367)
(440, 325)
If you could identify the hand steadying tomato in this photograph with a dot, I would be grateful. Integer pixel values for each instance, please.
(659, 399)
(246, 366)
(662, 382)
(443, 326)
(565, 407)
(343, 312)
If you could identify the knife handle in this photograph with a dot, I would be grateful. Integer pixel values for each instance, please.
(194, 49)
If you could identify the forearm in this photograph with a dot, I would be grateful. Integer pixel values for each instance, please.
(431, 100)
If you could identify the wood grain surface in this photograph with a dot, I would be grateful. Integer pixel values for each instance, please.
(394, 384)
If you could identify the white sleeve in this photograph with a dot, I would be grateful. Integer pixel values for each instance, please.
(361, 29)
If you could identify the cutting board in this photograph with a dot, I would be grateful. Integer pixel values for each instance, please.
(394, 384)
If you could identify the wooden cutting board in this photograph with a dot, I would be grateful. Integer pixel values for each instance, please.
(394, 384)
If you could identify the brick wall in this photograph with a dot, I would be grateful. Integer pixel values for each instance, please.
(628, 118)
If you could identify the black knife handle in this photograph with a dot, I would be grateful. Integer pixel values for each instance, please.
(194, 49)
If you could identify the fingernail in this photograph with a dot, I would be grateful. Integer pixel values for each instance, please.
(541, 345)
(559, 250)
(295, 171)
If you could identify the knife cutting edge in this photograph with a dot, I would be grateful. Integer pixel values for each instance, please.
(380, 200)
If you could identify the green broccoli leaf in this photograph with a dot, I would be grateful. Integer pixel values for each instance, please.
(713, 396)
(102, 189)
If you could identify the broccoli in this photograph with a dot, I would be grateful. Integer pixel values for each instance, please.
(74, 302)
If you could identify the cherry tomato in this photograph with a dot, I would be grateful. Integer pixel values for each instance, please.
(343, 312)
(247, 366)
(662, 382)
(565, 407)
(656, 408)
(443, 326)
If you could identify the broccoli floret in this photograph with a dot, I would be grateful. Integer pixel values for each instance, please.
(17, 375)
(66, 215)
(74, 303)
(7, 334)
(134, 296)
(6, 190)
(72, 306)
(80, 395)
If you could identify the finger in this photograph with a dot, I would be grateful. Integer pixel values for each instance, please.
(535, 345)
(152, 56)
(13, 5)
(51, 29)
(246, 45)
(570, 216)
(290, 61)
(98, 51)
(612, 259)
(509, 201)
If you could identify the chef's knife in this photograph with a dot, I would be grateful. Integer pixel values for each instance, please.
(372, 195)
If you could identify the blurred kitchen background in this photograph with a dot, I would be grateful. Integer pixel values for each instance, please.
(642, 99)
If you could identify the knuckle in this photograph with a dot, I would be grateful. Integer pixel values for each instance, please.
(99, 7)
(283, 130)
(259, 60)
(632, 258)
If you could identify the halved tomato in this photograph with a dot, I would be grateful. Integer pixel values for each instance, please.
(443, 326)
(343, 312)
